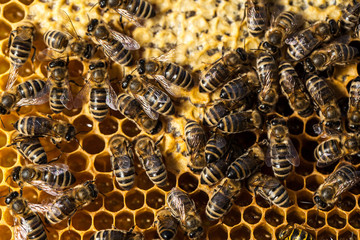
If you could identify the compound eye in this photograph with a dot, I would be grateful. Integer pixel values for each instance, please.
(92, 67)
(142, 61)
(101, 65)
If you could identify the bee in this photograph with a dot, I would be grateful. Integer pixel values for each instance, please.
(335, 148)
(30, 148)
(166, 224)
(195, 139)
(267, 70)
(50, 178)
(353, 114)
(34, 126)
(349, 17)
(222, 70)
(239, 88)
(282, 153)
(183, 208)
(222, 199)
(214, 172)
(240, 122)
(25, 93)
(132, 110)
(151, 160)
(247, 164)
(102, 95)
(294, 90)
(116, 45)
(284, 25)
(122, 161)
(216, 147)
(28, 224)
(324, 97)
(152, 99)
(257, 16)
(215, 112)
(302, 43)
(65, 205)
(339, 181)
(333, 54)
(20, 45)
(115, 234)
(292, 232)
(269, 188)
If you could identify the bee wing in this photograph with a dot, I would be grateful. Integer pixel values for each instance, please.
(293, 155)
(82, 96)
(68, 26)
(346, 184)
(48, 54)
(66, 98)
(172, 89)
(39, 208)
(108, 50)
(111, 96)
(168, 56)
(20, 231)
(41, 98)
(146, 107)
(270, 183)
(178, 204)
(13, 73)
(268, 155)
(128, 42)
(132, 18)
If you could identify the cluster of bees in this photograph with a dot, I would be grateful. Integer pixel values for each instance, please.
(243, 99)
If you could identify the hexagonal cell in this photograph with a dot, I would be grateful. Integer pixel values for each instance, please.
(26, 70)
(347, 202)
(5, 232)
(217, 232)
(69, 147)
(4, 1)
(67, 235)
(201, 199)
(88, 235)
(283, 108)
(261, 201)
(326, 234)
(102, 162)
(114, 202)
(354, 219)
(52, 234)
(14, 12)
(4, 64)
(30, 194)
(309, 129)
(81, 221)
(76, 68)
(188, 182)
(26, 2)
(83, 124)
(95, 205)
(305, 200)
(336, 219)
(315, 219)
(129, 128)
(347, 235)
(232, 218)
(295, 125)
(134, 199)
(3, 139)
(294, 182)
(294, 216)
(274, 217)
(77, 162)
(108, 126)
(313, 182)
(263, 232)
(93, 144)
(144, 218)
(124, 220)
(8, 157)
(155, 199)
(304, 169)
(328, 169)
(143, 182)
(252, 215)
(104, 183)
(307, 150)
(242, 232)
(103, 220)
(244, 198)
(8, 217)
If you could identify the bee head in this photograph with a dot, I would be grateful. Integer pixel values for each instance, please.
(9, 198)
(92, 25)
(242, 53)
(275, 37)
(309, 66)
(103, 3)
(351, 143)
(167, 234)
(264, 108)
(92, 66)
(269, 47)
(196, 233)
(70, 133)
(334, 27)
(141, 66)
(92, 188)
(126, 81)
(320, 203)
(16, 174)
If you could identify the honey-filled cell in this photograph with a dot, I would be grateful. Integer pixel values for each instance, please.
(83, 124)
(8, 217)
(142, 181)
(336, 219)
(77, 162)
(5, 232)
(129, 128)
(102, 162)
(274, 217)
(252, 215)
(14, 12)
(104, 183)
(263, 232)
(70, 235)
(108, 126)
(8, 157)
(188, 182)
(93, 144)
(4, 64)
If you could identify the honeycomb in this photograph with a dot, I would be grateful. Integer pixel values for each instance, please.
(198, 30)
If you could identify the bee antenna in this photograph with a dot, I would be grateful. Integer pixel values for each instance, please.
(2, 122)
(93, 6)
(67, 15)
(88, 17)
(102, 193)
(133, 71)
(78, 142)
(80, 132)
(7, 177)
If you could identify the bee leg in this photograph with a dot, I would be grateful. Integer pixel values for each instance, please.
(33, 56)
(121, 22)
(12, 34)
(73, 82)
(43, 223)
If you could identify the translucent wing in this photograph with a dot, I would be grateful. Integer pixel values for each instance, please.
(253, 17)
(20, 231)
(293, 155)
(68, 26)
(179, 205)
(108, 50)
(13, 73)
(39, 208)
(268, 155)
(146, 107)
(137, 21)
(172, 89)
(66, 97)
(111, 96)
(48, 54)
(41, 98)
(82, 97)
(128, 42)
(347, 185)
(168, 56)
(270, 183)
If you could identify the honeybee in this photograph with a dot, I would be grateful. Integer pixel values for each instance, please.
(239, 88)
(222, 70)
(215, 112)
(115, 234)
(284, 25)
(20, 45)
(34, 126)
(281, 154)
(334, 149)
(25, 93)
(184, 210)
(292, 232)
(303, 42)
(28, 224)
(222, 199)
(245, 165)
(294, 90)
(166, 224)
(353, 114)
(152, 99)
(257, 17)
(216, 147)
(268, 74)
(116, 45)
(349, 18)
(65, 205)
(240, 122)
(324, 97)
(151, 160)
(50, 178)
(122, 161)
(269, 188)
(214, 172)
(195, 139)
(98, 89)
(132, 110)
(30, 148)
(339, 181)
(333, 54)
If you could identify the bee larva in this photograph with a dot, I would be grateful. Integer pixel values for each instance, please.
(293, 232)
(30, 148)
(151, 159)
(122, 161)
(269, 188)
(166, 224)
(257, 16)
(240, 122)
(115, 234)
(216, 147)
(222, 199)
(353, 115)
(214, 172)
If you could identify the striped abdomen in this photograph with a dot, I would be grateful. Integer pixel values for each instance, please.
(328, 152)
(343, 52)
(214, 113)
(235, 89)
(256, 17)
(287, 21)
(115, 234)
(33, 126)
(214, 172)
(217, 75)
(62, 178)
(178, 202)
(344, 176)
(98, 105)
(61, 209)
(33, 224)
(155, 169)
(159, 101)
(119, 54)
(277, 195)
(299, 234)
(279, 160)
(32, 149)
(140, 8)
(166, 224)
(194, 135)
(218, 205)
(350, 17)
(58, 98)
(303, 43)
(216, 147)
(30, 88)
(56, 40)
(243, 167)
(353, 115)
(124, 171)
(319, 90)
(237, 122)
(266, 68)
(178, 76)
(20, 51)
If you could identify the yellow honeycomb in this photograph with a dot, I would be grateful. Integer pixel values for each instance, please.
(198, 30)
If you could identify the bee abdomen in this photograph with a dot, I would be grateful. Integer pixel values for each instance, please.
(141, 8)
(32, 150)
(256, 19)
(120, 54)
(235, 89)
(350, 17)
(286, 19)
(61, 209)
(241, 168)
(56, 40)
(346, 52)
(318, 87)
(214, 78)
(279, 196)
(34, 226)
(19, 51)
(56, 94)
(218, 206)
(306, 42)
(328, 152)
(157, 172)
(124, 175)
(212, 174)
(214, 113)
(62, 180)
(160, 102)
(98, 105)
(33, 126)
(30, 88)
(178, 76)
